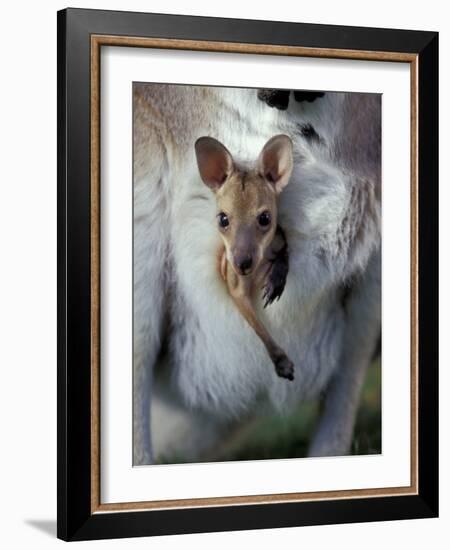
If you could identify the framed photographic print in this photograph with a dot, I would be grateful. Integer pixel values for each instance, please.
(247, 256)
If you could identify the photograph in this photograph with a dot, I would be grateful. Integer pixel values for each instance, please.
(224, 276)
(247, 298)
(256, 273)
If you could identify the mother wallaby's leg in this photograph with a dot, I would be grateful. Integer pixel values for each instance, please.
(150, 265)
(150, 246)
(334, 433)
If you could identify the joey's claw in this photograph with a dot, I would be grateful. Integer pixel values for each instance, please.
(275, 279)
(284, 367)
(275, 284)
(268, 298)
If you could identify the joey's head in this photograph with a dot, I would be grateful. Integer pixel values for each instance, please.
(246, 198)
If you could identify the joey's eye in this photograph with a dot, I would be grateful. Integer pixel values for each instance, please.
(223, 220)
(264, 219)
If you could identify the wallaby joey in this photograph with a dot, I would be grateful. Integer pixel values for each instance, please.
(254, 253)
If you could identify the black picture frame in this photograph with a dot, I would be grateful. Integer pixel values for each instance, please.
(75, 518)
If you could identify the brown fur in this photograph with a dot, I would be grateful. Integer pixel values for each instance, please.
(242, 196)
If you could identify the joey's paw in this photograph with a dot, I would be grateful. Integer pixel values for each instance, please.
(275, 283)
(269, 294)
(275, 279)
(284, 367)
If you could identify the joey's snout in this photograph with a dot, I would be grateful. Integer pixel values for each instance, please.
(246, 197)
(244, 263)
(243, 249)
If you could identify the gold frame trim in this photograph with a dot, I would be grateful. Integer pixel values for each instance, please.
(128, 41)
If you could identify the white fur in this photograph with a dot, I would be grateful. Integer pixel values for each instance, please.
(330, 212)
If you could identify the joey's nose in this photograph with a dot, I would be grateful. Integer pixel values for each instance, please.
(245, 264)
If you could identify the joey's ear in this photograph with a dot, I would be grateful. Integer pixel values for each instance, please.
(215, 162)
(275, 161)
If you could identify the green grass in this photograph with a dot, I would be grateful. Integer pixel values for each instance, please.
(279, 436)
(288, 436)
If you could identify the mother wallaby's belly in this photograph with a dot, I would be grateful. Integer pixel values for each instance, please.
(220, 364)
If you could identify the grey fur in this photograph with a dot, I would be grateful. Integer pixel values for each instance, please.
(331, 213)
